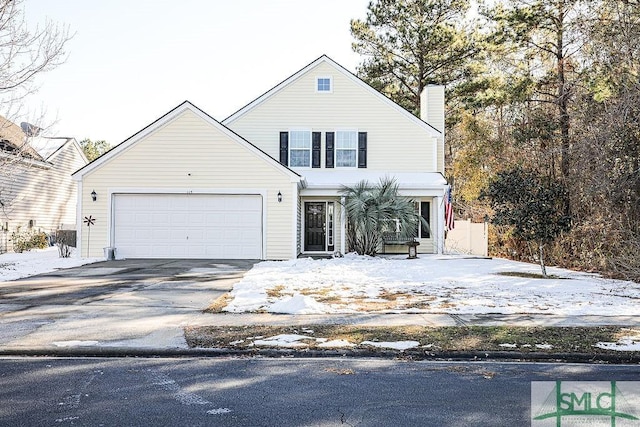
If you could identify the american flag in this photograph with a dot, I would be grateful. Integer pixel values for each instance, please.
(448, 210)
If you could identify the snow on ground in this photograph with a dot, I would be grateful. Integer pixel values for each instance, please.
(631, 343)
(298, 341)
(395, 345)
(429, 284)
(15, 266)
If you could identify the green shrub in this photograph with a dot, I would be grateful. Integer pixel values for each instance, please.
(27, 240)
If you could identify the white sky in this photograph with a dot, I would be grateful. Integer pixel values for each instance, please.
(131, 61)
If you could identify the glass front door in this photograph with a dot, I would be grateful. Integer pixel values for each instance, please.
(315, 223)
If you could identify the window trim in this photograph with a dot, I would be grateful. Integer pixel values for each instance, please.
(336, 149)
(317, 82)
(309, 149)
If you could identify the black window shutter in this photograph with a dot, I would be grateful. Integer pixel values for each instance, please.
(284, 148)
(315, 149)
(362, 149)
(329, 137)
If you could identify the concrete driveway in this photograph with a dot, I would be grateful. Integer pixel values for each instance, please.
(129, 303)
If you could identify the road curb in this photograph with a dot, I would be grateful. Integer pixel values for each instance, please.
(417, 355)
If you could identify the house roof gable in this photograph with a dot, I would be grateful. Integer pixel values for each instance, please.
(324, 59)
(165, 119)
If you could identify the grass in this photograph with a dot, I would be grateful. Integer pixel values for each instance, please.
(434, 339)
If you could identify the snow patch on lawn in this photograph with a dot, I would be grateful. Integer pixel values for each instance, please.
(15, 266)
(429, 284)
(284, 340)
(623, 344)
(394, 345)
(336, 344)
(297, 304)
(507, 345)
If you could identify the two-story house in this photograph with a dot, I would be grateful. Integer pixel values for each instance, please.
(36, 189)
(265, 182)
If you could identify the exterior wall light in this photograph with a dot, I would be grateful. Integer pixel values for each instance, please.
(94, 195)
(279, 197)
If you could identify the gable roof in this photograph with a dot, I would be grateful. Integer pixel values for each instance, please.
(168, 117)
(324, 59)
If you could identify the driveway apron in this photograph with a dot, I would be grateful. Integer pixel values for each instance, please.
(127, 303)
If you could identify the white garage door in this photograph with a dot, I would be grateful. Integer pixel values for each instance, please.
(187, 226)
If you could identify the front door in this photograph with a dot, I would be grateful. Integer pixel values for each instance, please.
(315, 222)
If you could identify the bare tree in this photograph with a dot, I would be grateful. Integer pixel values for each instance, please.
(25, 52)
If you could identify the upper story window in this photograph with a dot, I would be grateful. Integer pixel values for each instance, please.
(324, 84)
(300, 148)
(346, 149)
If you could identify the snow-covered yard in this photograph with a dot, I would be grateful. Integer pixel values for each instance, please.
(15, 266)
(430, 284)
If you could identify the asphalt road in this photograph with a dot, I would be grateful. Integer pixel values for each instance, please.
(276, 392)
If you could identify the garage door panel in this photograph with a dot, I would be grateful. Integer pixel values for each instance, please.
(188, 226)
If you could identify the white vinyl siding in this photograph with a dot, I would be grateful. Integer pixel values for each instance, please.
(46, 195)
(395, 141)
(189, 154)
(346, 147)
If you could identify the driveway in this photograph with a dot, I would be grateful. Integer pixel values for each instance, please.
(128, 303)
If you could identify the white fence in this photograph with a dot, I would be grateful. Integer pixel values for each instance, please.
(468, 238)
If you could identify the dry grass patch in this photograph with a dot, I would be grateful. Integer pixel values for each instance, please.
(219, 303)
(277, 292)
(323, 295)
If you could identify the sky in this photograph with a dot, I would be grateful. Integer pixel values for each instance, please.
(131, 61)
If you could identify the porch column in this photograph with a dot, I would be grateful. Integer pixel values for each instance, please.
(343, 227)
(439, 203)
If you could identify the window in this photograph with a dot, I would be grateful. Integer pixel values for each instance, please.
(425, 212)
(323, 84)
(346, 149)
(300, 148)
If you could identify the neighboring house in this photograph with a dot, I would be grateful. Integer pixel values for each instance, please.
(36, 188)
(265, 183)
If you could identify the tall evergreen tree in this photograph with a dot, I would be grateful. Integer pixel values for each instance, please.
(408, 44)
(544, 36)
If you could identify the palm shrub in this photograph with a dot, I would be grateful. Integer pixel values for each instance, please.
(373, 210)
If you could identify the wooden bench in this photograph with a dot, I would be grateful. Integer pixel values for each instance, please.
(394, 238)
